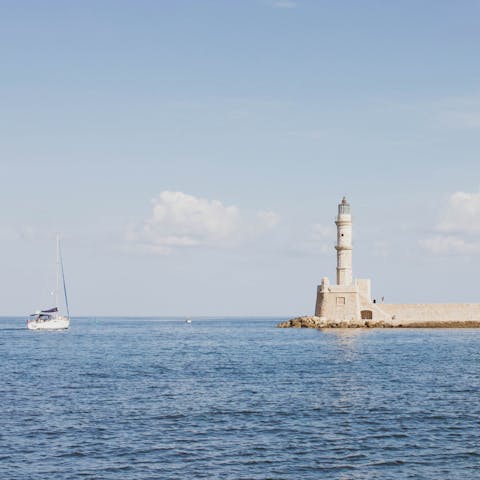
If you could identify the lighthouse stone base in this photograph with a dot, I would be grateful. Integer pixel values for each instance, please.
(351, 306)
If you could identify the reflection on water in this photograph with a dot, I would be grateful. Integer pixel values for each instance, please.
(346, 336)
(347, 339)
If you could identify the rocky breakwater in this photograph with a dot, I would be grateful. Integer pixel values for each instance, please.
(302, 322)
(312, 321)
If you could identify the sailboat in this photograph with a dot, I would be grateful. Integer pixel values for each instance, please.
(51, 318)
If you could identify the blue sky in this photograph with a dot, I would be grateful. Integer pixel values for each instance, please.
(192, 153)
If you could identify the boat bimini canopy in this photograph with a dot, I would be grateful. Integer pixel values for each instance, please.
(40, 312)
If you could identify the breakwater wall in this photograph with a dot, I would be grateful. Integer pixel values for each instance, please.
(407, 314)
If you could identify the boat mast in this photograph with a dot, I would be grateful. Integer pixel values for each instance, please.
(63, 280)
(58, 270)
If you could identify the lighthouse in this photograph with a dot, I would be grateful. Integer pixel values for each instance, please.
(349, 300)
(344, 243)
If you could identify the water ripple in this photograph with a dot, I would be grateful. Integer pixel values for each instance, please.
(237, 399)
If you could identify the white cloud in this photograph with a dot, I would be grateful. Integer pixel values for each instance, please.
(449, 245)
(321, 232)
(318, 239)
(462, 214)
(268, 219)
(458, 230)
(180, 220)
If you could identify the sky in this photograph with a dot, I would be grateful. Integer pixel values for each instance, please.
(192, 154)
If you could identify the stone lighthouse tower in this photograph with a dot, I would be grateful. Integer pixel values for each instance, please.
(344, 244)
(349, 300)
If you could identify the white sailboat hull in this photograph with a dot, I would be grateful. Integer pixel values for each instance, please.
(55, 323)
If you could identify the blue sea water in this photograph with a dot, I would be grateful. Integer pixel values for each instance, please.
(120, 398)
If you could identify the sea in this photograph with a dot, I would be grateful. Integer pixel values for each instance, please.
(237, 398)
